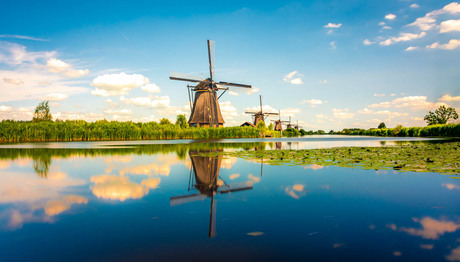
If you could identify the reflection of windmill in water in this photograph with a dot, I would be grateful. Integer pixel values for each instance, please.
(260, 115)
(206, 181)
(205, 108)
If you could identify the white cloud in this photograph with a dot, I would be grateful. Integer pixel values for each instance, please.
(149, 101)
(228, 110)
(233, 93)
(379, 95)
(23, 37)
(414, 6)
(57, 66)
(452, 44)
(332, 25)
(118, 112)
(151, 88)
(367, 42)
(342, 113)
(403, 37)
(322, 81)
(428, 21)
(89, 117)
(382, 23)
(333, 45)
(290, 112)
(117, 84)
(4, 108)
(15, 54)
(293, 78)
(321, 119)
(386, 27)
(385, 113)
(250, 91)
(390, 16)
(54, 97)
(13, 81)
(412, 102)
(449, 98)
(449, 26)
(411, 48)
(312, 102)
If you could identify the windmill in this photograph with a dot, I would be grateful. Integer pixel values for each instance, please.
(279, 123)
(260, 115)
(206, 181)
(205, 108)
(295, 126)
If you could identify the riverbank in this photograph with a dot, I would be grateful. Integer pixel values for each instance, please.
(103, 130)
(424, 157)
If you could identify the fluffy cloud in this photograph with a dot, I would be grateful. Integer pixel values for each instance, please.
(117, 84)
(390, 16)
(414, 6)
(411, 48)
(413, 102)
(342, 113)
(332, 25)
(90, 117)
(149, 101)
(452, 44)
(428, 21)
(54, 97)
(22, 113)
(151, 88)
(250, 91)
(13, 81)
(293, 78)
(15, 54)
(367, 42)
(312, 102)
(228, 110)
(385, 113)
(454, 255)
(379, 95)
(403, 37)
(449, 98)
(449, 26)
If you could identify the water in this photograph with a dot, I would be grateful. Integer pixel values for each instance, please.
(145, 201)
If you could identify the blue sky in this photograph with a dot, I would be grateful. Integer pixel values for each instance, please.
(327, 64)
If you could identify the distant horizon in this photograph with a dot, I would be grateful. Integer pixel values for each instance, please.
(329, 65)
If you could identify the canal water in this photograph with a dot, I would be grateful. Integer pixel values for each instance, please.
(166, 201)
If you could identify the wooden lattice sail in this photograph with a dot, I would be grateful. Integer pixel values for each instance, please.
(205, 109)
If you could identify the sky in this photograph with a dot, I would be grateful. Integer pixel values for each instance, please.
(327, 64)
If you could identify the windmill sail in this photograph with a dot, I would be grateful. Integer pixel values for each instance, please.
(205, 110)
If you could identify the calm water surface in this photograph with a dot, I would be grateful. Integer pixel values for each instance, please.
(147, 201)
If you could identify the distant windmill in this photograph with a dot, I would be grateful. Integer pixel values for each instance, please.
(206, 181)
(205, 108)
(295, 126)
(279, 123)
(260, 115)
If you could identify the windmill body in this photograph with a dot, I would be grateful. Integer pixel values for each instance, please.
(260, 115)
(205, 110)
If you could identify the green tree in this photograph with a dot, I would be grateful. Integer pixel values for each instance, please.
(261, 125)
(382, 125)
(165, 121)
(270, 126)
(441, 115)
(181, 121)
(42, 112)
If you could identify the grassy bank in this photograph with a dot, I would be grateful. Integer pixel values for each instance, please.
(423, 157)
(448, 130)
(28, 131)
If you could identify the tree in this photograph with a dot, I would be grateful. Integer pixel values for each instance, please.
(441, 115)
(270, 126)
(261, 125)
(165, 121)
(382, 125)
(181, 121)
(42, 112)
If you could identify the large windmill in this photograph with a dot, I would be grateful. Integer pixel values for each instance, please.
(206, 181)
(205, 108)
(260, 115)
